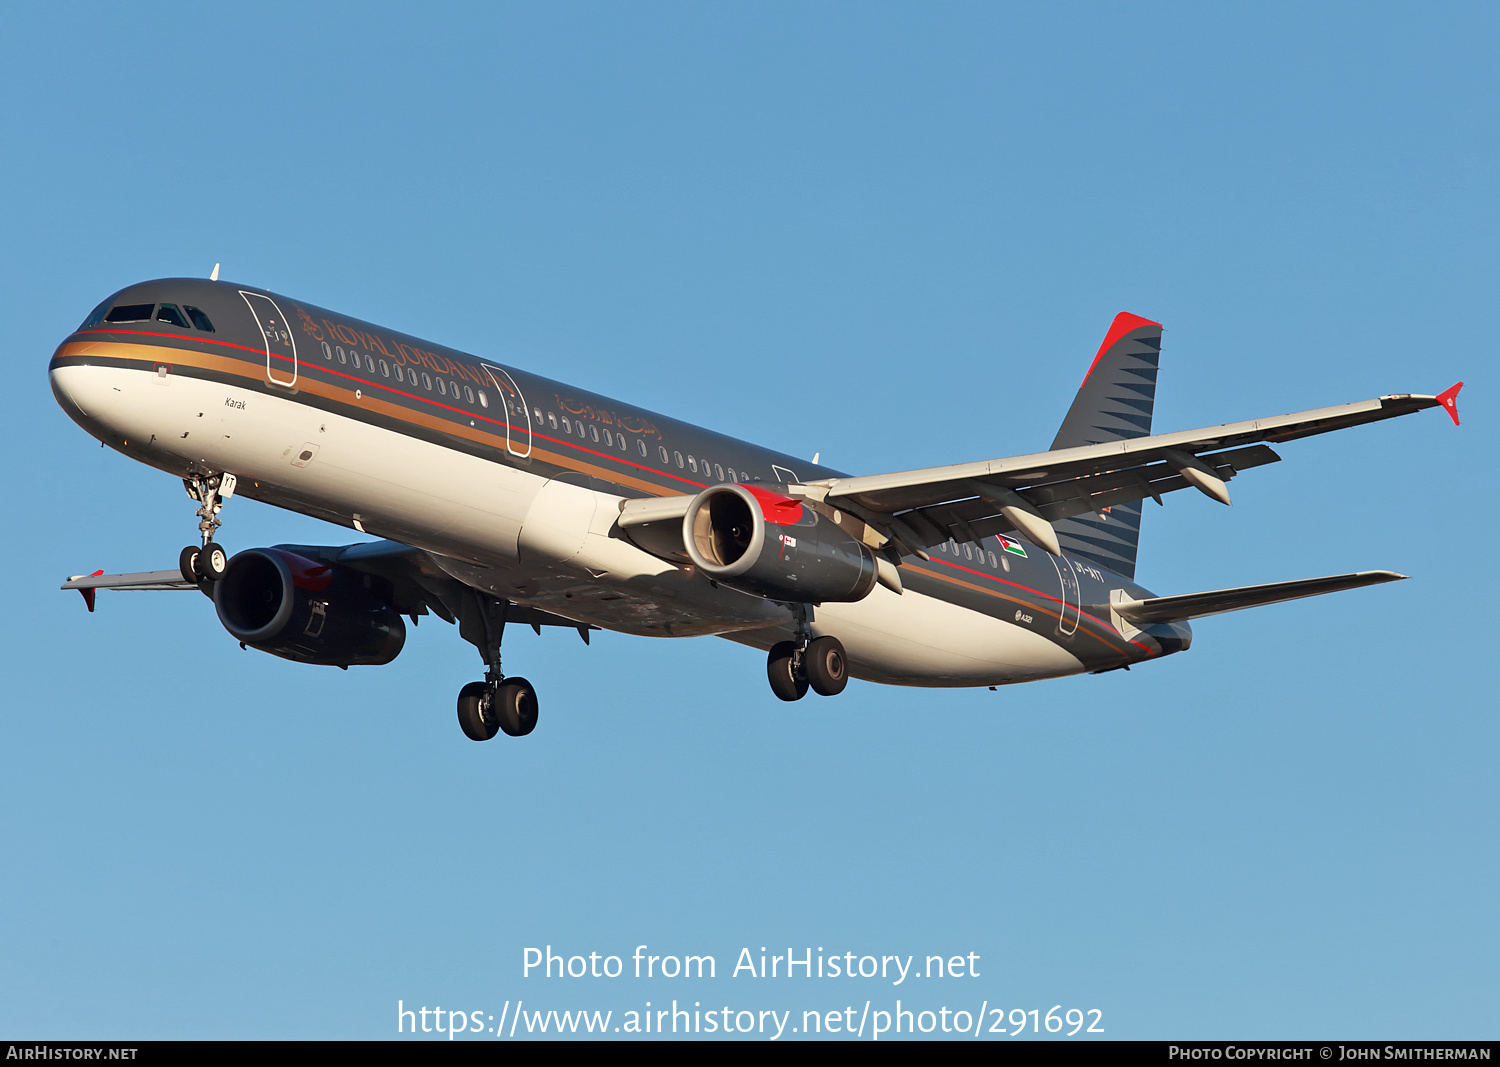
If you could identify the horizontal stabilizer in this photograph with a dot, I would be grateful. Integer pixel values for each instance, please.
(1197, 605)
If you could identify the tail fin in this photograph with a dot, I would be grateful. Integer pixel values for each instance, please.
(1114, 402)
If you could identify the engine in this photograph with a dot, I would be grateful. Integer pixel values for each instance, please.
(303, 610)
(762, 542)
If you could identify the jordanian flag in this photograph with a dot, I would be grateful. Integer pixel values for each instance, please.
(1013, 547)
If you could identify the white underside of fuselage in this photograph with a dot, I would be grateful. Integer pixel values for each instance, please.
(548, 544)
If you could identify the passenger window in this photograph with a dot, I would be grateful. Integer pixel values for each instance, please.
(567, 426)
(992, 559)
(442, 389)
(327, 352)
(622, 442)
(732, 476)
(596, 432)
(552, 419)
(968, 551)
(385, 369)
(200, 320)
(400, 374)
(609, 439)
(642, 446)
(170, 313)
(130, 313)
(677, 456)
(692, 465)
(340, 351)
(354, 358)
(468, 394)
(665, 459)
(719, 472)
(426, 382)
(484, 401)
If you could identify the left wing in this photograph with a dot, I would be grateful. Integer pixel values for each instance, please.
(970, 501)
(145, 581)
(418, 585)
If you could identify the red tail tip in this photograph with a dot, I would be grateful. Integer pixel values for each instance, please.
(1123, 324)
(1449, 399)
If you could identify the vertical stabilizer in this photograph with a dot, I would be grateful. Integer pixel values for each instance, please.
(1114, 402)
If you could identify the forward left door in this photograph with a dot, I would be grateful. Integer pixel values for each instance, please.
(281, 347)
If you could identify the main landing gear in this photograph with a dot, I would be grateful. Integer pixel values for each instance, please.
(205, 564)
(816, 663)
(498, 703)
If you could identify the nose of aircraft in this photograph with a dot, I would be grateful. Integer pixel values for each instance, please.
(70, 385)
(91, 396)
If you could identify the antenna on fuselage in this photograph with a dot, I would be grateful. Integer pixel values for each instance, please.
(215, 275)
(815, 458)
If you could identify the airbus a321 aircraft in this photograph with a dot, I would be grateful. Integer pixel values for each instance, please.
(503, 497)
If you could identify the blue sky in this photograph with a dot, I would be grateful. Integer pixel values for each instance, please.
(892, 234)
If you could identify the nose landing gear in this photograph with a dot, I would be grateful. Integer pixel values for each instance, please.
(498, 704)
(205, 565)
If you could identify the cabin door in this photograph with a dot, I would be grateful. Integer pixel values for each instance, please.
(281, 348)
(1067, 618)
(517, 417)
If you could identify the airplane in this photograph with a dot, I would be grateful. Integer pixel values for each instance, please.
(502, 497)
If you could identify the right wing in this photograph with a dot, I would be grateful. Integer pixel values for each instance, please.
(969, 501)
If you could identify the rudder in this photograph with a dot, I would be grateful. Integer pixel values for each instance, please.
(1114, 403)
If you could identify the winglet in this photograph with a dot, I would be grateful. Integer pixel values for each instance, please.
(89, 594)
(1449, 399)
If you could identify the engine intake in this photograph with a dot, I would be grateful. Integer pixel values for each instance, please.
(310, 612)
(766, 543)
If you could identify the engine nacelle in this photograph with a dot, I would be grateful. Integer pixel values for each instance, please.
(303, 610)
(763, 542)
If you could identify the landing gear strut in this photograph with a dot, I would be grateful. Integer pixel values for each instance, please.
(807, 662)
(498, 703)
(205, 565)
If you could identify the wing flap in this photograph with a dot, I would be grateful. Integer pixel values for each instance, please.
(1197, 605)
(1093, 493)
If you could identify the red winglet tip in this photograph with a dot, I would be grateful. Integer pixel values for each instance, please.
(89, 594)
(1449, 399)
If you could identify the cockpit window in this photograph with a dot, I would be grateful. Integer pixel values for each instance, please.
(170, 313)
(130, 313)
(96, 316)
(200, 320)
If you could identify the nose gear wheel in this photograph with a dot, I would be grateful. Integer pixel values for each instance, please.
(205, 564)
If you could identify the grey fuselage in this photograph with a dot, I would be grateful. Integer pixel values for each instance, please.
(328, 364)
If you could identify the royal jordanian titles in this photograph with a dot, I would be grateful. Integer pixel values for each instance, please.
(502, 497)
